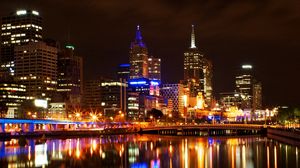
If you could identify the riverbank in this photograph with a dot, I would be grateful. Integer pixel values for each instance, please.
(284, 135)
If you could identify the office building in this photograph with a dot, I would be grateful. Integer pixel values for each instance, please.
(18, 28)
(244, 85)
(257, 96)
(197, 72)
(92, 94)
(70, 76)
(12, 95)
(36, 68)
(113, 97)
(175, 94)
(138, 57)
(230, 99)
(123, 72)
(154, 68)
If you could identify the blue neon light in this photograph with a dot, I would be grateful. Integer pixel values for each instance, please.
(139, 81)
(139, 165)
(124, 65)
(154, 82)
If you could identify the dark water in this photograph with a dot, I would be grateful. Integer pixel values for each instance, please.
(149, 151)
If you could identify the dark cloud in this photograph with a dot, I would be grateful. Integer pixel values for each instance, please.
(265, 33)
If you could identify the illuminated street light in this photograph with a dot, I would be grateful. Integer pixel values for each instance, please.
(77, 114)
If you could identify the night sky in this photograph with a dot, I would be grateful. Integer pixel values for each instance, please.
(264, 33)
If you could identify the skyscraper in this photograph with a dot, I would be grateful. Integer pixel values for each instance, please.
(138, 57)
(113, 96)
(70, 75)
(154, 68)
(36, 68)
(20, 27)
(175, 93)
(197, 71)
(257, 96)
(123, 72)
(92, 94)
(244, 85)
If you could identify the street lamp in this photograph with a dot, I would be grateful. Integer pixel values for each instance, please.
(170, 116)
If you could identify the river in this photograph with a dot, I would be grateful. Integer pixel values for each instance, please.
(151, 151)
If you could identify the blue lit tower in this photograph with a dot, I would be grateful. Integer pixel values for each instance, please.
(138, 58)
(143, 85)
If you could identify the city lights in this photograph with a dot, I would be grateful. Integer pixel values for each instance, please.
(21, 12)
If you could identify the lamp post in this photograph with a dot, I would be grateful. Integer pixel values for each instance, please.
(185, 107)
(170, 116)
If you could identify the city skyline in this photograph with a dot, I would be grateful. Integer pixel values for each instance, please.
(168, 40)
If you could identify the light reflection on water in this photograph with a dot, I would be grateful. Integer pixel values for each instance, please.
(150, 151)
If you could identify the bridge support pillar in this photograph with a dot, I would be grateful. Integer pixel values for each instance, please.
(47, 127)
(3, 127)
(66, 126)
(54, 127)
(31, 127)
(23, 128)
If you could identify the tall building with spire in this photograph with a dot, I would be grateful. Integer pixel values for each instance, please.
(138, 58)
(197, 71)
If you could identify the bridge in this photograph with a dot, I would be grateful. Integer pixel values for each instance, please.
(31, 125)
(205, 129)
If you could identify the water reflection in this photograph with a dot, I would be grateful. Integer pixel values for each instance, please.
(150, 151)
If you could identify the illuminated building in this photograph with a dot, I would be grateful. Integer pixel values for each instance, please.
(154, 67)
(175, 93)
(57, 110)
(230, 99)
(19, 28)
(113, 96)
(12, 95)
(257, 96)
(70, 76)
(92, 94)
(138, 57)
(197, 71)
(143, 95)
(36, 68)
(248, 87)
(123, 72)
(243, 83)
(143, 85)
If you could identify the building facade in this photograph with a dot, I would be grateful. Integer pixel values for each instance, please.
(92, 94)
(197, 72)
(249, 88)
(70, 76)
(12, 96)
(257, 96)
(113, 97)
(36, 68)
(175, 95)
(244, 85)
(138, 57)
(154, 68)
(123, 72)
(18, 28)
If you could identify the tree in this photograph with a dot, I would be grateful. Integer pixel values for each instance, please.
(288, 114)
(155, 113)
(3, 109)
